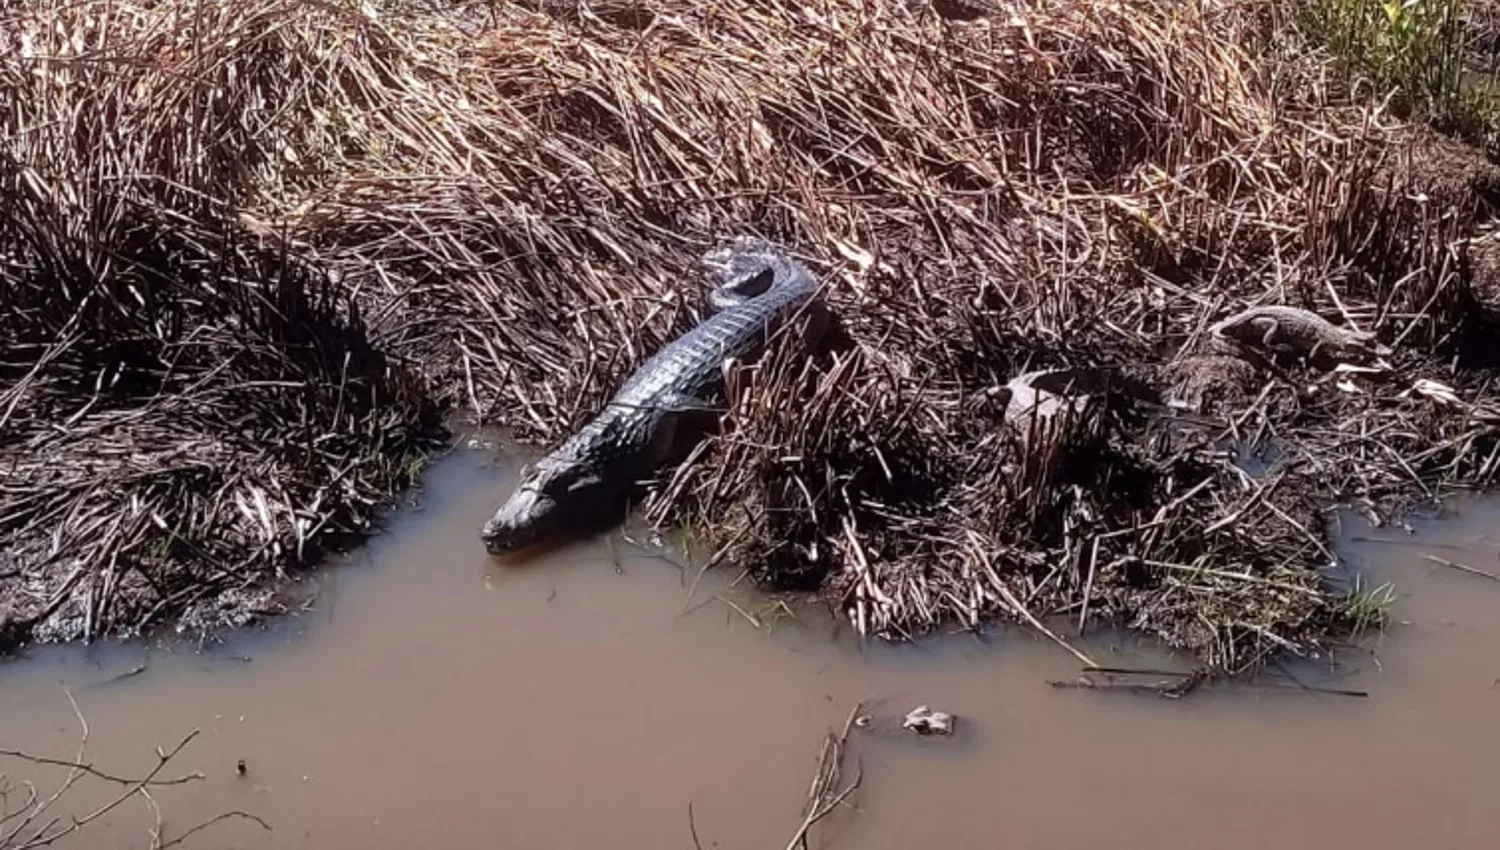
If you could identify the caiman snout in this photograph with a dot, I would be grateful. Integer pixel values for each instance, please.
(520, 522)
(551, 498)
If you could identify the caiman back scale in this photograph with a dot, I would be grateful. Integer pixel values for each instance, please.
(761, 289)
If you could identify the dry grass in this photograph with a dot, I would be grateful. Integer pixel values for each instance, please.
(183, 416)
(283, 233)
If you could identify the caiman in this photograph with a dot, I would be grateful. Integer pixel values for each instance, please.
(761, 290)
(1277, 328)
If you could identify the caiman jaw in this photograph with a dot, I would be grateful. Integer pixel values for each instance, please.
(550, 497)
(520, 522)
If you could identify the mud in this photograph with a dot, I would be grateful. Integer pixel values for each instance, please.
(430, 697)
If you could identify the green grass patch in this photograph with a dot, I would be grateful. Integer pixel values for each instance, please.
(1411, 52)
(1413, 56)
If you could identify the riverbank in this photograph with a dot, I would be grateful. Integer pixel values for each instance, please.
(519, 702)
(250, 254)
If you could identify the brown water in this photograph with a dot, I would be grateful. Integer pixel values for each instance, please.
(434, 698)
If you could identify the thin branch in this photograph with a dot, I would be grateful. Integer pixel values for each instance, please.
(216, 819)
(824, 797)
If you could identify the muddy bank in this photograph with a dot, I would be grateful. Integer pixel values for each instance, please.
(244, 267)
(432, 697)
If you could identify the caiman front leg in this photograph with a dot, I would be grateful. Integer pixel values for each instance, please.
(1312, 353)
(680, 421)
(1268, 339)
(1272, 335)
(1307, 357)
(815, 321)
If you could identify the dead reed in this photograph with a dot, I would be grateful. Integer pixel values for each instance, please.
(183, 415)
(247, 249)
(824, 797)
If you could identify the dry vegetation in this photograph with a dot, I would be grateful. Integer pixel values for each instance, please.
(251, 251)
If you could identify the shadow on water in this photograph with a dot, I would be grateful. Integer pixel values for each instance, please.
(433, 696)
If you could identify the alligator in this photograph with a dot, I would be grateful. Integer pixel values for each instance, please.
(661, 406)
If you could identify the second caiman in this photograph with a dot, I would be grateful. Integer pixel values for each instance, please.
(761, 290)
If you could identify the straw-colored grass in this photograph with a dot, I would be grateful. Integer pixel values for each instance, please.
(247, 248)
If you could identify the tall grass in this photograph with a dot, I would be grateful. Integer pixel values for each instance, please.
(1411, 55)
(1411, 51)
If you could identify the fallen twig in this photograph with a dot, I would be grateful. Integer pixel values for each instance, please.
(1465, 568)
(824, 796)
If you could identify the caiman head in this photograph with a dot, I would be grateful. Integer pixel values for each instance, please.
(742, 268)
(741, 257)
(550, 499)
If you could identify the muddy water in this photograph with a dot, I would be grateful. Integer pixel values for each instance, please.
(432, 698)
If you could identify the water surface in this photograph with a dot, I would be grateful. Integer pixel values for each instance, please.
(432, 697)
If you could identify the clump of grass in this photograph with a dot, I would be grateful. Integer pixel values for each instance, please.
(185, 414)
(1421, 59)
(500, 214)
(1411, 51)
(1368, 608)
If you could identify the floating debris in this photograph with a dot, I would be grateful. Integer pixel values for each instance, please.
(924, 721)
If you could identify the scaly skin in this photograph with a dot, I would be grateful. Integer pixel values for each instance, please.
(1278, 327)
(640, 427)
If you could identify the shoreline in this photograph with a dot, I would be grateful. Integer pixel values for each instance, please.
(245, 275)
